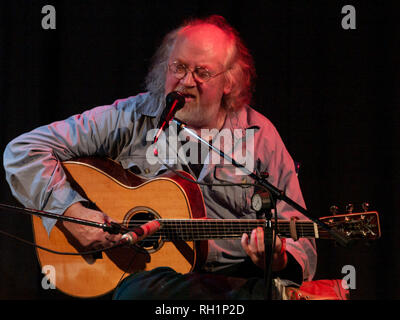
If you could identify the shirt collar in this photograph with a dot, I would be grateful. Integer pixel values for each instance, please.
(239, 121)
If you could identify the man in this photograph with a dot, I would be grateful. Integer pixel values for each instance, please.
(206, 61)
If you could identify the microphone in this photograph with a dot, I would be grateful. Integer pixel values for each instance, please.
(174, 101)
(140, 233)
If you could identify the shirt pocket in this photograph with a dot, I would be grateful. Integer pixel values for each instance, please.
(141, 165)
(236, 198)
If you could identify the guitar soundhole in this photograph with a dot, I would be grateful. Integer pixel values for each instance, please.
(137, 217)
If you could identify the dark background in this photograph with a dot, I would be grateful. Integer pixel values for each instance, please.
(332, 94)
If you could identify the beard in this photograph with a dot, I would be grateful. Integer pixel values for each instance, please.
(197, 116)
(192, 115)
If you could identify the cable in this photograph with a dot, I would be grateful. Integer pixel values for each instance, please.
(59, 252)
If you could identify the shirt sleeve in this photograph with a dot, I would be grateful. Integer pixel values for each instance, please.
(32, 161)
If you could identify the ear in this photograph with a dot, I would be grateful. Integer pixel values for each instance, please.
(227, 84)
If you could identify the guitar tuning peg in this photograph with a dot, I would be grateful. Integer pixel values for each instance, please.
(349, 208)
(333, 209)
(365, 206)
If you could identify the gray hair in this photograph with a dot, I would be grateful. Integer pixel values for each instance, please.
(240, 65)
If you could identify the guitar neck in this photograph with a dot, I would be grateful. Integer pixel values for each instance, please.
(204, 229)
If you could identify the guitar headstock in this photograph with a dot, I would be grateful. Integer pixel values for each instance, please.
(363, 225)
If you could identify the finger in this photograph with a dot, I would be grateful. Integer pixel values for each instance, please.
(110, 240)
(278, 245)
(245, 243)
(100, 239)
(254, 241)
(257, 241)
(260, 240)
(96, 245)
(107, 218)
(113, 238)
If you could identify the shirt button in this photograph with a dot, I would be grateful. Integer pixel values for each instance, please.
(146, 170)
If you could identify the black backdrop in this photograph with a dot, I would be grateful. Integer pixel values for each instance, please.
(332, 94)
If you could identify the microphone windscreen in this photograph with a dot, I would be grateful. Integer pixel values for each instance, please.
(175, 96)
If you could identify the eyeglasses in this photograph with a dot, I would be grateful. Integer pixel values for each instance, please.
(200, 74)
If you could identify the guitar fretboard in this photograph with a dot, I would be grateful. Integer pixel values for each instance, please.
(205, 229)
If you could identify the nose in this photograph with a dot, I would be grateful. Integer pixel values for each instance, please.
(188, 80)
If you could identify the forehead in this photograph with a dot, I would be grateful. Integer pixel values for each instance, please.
(201, 45)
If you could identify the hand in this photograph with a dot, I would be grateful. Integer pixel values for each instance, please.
(89, 237)
(254, 247)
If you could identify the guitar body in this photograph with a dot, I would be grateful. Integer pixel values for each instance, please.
(124, 197)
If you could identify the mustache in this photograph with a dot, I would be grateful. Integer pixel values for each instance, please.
(187, 93)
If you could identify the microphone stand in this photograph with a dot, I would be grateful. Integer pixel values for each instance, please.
(274, 191)
(110, 227)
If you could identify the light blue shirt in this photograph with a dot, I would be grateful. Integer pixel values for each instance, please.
(120, 131)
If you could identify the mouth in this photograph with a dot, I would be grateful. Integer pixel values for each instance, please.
(188, 96)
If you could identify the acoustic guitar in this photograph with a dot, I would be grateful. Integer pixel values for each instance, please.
(181, 242)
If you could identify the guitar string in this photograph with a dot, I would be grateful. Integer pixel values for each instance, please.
(199, 224)
(218, 221)
(191, 237)
(201, 229)
(215, 232)
(188, 225)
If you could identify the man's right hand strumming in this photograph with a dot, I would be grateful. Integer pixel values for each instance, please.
(89, 237)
